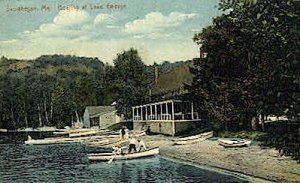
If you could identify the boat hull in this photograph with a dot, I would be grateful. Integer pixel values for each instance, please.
(109, 156)
(193, 139)
(234, 143)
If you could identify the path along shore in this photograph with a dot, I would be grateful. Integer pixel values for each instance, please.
(252, 161)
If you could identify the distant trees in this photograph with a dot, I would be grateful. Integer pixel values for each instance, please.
(52, 90)
(252, 64)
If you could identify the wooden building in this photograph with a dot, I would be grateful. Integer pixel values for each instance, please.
(100, 116)
(166, 117)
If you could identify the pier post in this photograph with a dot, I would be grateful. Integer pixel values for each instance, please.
(173, 111)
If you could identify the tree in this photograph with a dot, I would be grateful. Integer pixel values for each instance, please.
(131, 81)
(253, 55)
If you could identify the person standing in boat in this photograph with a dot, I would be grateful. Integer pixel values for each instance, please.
(132, 144)
(141, 145)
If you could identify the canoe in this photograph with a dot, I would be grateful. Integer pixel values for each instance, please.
(194, 137)
(110, 156)
(49, 141)
(83, 134)
(200, 137)
(61, 133)
(234, 142)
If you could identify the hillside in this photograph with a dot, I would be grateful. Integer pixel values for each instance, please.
(51, 65)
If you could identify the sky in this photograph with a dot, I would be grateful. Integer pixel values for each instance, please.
(161, 30)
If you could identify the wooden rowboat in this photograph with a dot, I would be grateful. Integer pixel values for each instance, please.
(234, 142)
(112, 156)
(193, 139)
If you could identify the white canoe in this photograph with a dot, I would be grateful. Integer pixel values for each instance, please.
(61, 133)
(194, 136)
(49, 141)
(83, 133)
(109, 156)
(234, 143)
(200, 137)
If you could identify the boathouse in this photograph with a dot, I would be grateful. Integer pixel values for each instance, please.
(168, 117)
(100, 116)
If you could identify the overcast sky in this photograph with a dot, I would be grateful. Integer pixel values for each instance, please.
(160, 29)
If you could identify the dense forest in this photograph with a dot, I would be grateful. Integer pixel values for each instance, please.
(53, 90)
(250, 63)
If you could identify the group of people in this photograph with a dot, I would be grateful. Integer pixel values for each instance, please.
(135, 145)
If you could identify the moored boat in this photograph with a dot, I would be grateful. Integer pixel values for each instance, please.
(234, 142)
(112, 156)
(193, 139)
(49, 141)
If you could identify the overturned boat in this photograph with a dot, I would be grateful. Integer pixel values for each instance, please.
(112, 156)
(234, 142)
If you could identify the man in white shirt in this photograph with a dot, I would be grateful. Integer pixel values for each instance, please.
(132, 144)
(141, 145)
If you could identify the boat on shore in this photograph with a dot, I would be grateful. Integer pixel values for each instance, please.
(234, 142)
(193, 139)
(112, 156)
(86, 133)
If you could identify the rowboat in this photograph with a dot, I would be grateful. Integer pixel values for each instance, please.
(193, 139)
(112, 156)
(234, 142)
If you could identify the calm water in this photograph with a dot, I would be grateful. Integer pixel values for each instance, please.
(68, 163)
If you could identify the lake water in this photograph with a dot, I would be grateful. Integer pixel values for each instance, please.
(68, 163)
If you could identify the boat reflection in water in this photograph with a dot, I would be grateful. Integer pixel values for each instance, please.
(69, 163)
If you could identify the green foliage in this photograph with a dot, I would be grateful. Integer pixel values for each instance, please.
(131, 81)
(252, 135)
(252, 64)
(49, 90)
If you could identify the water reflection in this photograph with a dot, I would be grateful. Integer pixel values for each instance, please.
(68, 163)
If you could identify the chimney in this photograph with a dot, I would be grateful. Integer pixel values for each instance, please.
(156, 73)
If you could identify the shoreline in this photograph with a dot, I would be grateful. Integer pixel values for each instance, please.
(217, 169)
(254, 163)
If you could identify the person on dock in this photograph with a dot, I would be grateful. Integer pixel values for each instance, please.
(141, 145)
(124, 133)
(132, 144)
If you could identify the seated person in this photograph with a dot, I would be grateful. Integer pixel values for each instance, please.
(141, 145)
(117, 150)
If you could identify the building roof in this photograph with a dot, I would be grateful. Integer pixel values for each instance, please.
(99, 110)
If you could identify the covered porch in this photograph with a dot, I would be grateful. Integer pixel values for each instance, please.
(168, 110)
(166, 117)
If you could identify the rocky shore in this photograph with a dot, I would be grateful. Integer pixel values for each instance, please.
(265, 164)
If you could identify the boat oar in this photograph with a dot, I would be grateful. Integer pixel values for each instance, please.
(112, 159)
